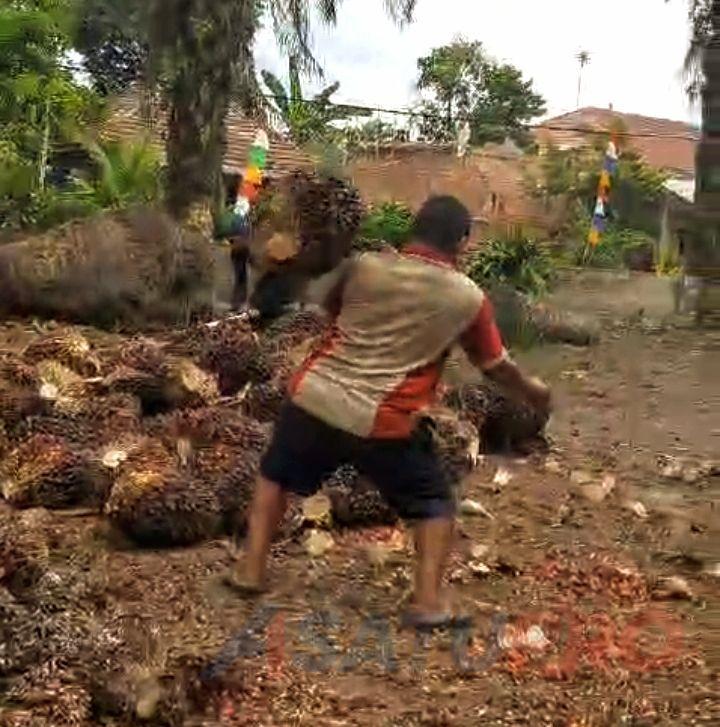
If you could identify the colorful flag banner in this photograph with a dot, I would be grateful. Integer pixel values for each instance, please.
(253, 176)
(601, 213)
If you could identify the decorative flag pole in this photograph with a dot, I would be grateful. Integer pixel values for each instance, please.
(253, 175)
(600, 216)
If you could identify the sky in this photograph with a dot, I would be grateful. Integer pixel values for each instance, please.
(636, 50)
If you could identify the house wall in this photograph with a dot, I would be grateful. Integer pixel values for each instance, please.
(493, 187)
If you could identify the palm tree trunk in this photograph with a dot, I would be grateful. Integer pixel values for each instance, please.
(707, 161)
(207, 46)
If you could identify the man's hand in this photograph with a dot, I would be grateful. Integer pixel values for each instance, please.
(538, 395)
(532, 390)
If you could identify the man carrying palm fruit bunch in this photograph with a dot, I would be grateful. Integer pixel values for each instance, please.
(304, 227)
(359, 396)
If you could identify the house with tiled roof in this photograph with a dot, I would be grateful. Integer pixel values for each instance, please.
(135, 114)
(668, 146)
(664, 144)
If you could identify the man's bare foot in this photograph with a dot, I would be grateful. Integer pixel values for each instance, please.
(421, 619)
(244, 586)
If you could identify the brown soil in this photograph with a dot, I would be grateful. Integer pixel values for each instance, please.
(617, 650)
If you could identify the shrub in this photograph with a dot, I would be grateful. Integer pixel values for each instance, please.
(516, 260)
(389, 223)
(619, 247)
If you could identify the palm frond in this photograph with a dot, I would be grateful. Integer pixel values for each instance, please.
(327, 10)
(278, 91)
(401, 11)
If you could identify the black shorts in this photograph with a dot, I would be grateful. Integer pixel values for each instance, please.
(305, 451)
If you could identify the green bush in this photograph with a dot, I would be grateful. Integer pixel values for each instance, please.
(389, 223)
(619, 247)
(516, 261)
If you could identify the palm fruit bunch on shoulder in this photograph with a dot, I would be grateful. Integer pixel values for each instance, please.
(45, 471)
(355, 502)
(503, 422)
(327, 213)
(69, 347)
(157, 504)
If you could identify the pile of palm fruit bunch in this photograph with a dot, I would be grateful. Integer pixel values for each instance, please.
(164, 435)
(135, 265)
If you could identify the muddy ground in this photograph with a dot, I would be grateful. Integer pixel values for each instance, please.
(593, 583)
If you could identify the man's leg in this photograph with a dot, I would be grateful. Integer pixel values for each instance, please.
(409, 475)
(266, 512)
(302, 453)
(433, 540)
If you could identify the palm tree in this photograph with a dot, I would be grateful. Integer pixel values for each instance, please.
(583, 58)
(708, 160)
(203, 48)
(306, 120)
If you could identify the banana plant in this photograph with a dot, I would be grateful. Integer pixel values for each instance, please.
(306, 119)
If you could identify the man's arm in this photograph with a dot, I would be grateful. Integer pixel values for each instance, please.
(327, 290)
(484, 346)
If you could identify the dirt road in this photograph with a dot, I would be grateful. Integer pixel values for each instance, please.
(593, 586)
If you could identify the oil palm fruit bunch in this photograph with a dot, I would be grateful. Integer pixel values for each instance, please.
(65, 702)
(18, 403)
(66, 391)
(296, 327)
(355, 502)
(24, 552)
(263, 402)
(211, 425)
(98, 422)
(455, 440)
(157, 504)
(328, 213)
(178, 383)
(199, 338)
(238, 362)
(503, 422)
(142, 354)
(14, 370)
(45, 471)
(235, 489)
(68, 347)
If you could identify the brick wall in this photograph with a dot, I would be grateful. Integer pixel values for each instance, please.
(492, 186)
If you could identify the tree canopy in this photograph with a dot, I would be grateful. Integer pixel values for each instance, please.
(465, 83)
(112, 38)
(41, 104)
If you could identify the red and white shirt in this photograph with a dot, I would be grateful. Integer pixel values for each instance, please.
(398, 317)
